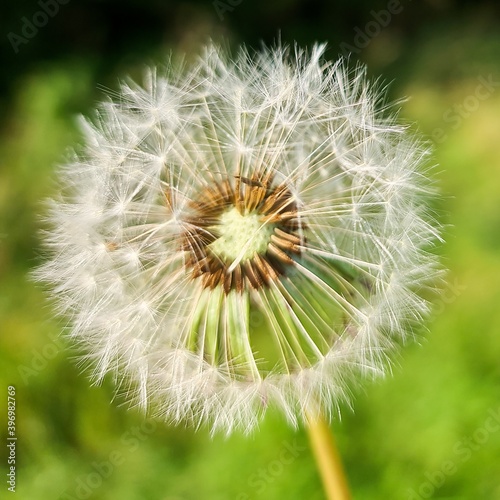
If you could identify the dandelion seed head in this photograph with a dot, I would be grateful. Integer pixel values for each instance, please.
(241, 234)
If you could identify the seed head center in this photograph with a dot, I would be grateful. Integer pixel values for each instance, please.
(240, 236)
(243, 234)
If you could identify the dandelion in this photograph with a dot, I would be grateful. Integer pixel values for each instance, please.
(242, 234)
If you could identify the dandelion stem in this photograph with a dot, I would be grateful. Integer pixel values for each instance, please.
(327, 458)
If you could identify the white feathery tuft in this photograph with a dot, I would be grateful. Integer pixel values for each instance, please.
(205, 335)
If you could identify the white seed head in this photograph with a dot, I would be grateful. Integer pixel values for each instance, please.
(242, 234)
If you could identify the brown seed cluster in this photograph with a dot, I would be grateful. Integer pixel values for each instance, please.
(273, 204)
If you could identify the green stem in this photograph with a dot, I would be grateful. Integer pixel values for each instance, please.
(327, 458)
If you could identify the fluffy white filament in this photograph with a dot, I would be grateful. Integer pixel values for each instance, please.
(189, 352)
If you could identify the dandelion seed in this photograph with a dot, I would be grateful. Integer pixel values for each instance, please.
(242, 234)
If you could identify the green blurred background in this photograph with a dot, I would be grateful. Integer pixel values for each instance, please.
(432, 430)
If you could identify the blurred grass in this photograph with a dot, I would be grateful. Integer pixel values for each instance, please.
(403, 430)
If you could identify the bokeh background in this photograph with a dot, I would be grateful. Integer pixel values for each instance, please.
(432, 430)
